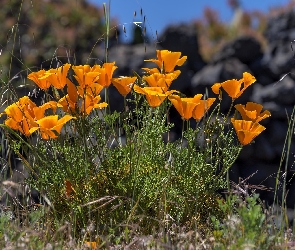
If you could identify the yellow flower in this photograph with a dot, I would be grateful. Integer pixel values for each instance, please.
(50, 126)
(88, 99)
(90, 244)
(106, 71)
(124, 84)
(92, 90)
(57, 77)
(202, 108)
(69, 189)
(154, 95)
(37, 77)
(69, 101)
(151, 71)
(235, 88)
(246, 130)
(252, 112)
(21, 115)
(39, 112)
(90, 103)
(168, 60)
(86, 75)
(161, 80)
(185, 106)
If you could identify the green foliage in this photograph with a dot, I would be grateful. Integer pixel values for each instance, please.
(89, 175)
(246, 225)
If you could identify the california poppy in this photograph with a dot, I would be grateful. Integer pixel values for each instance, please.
(252, 112)
(49, 124)
(21, 115)
(91, 244)
(154, 95)
(168, 60)
(235, 88)
(86, 75)
(161, 80)
(69, 189)
(90, 102)
(93, 90)
(124, 84)
(151, 71)
(246, 130)
(39, 112)
(106, 73)
(69, 101)
(202, 108)
(37, 77)
(57, 77)
(185, 106)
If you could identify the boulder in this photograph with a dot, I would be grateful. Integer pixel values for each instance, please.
(239, 48)
(184, 38)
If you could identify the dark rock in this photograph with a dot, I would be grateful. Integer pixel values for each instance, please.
(262, 175)
(281, 27)
(279, 58)
(281, 92)
(239, 48)
(262, 71)
(277, 131)
(130, 58)
(183, 38)
(263, 150)
(231, 68)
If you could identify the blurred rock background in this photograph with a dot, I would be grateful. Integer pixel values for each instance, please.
(42, 34)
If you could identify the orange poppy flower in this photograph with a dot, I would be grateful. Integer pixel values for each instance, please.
(37, 77)
(168, 60)
(124, 84)
(40, 111)
(161, 80)
(67, 104)
(49, 124)
(69, 189)
(92, 90)
(154, 95)
(57, 77)
(15, 111)
(151, 71)
(202, 108)
(185, 106)
(69, 101)
(235, 88)
(86, 75)
(91, 244)
(246, 130)
(252, 112)
(90, 99)
(106, 71)
(90, 102)
(21, 115)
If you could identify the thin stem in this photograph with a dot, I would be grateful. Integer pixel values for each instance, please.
(120, 135)
(182, 132)
(230, 108)
(107, 24)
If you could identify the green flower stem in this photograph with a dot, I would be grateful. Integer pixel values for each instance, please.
(230, 108)
(182, 132)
